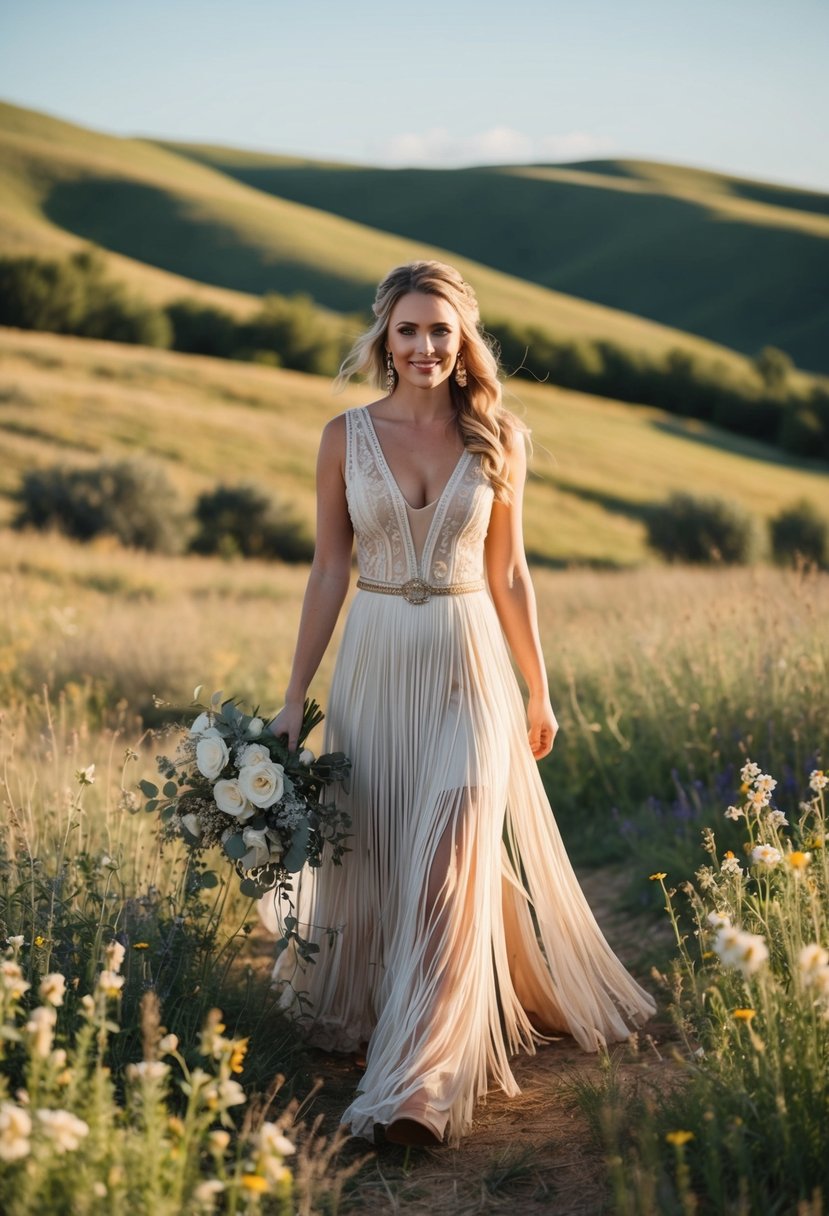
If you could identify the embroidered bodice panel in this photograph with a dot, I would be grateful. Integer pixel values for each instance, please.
(453, 547)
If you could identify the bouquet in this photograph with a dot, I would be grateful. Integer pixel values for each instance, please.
(234, 784)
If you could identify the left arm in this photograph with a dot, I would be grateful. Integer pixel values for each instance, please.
(514, 597)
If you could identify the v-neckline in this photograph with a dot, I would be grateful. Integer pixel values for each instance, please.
(436, 503)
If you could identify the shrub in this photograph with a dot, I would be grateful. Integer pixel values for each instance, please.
(129, 499)
(801, 431)
(705, 529)
(800, 531)
(200, 329)
(244, 520)
(293, 328)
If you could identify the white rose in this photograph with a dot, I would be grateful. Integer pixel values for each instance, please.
(201, 724)
(255, 728)
(231, 800)
(211, 755)
(258, 853)
(262, 784)
(254, 753)
(306, 757)
(192, 822)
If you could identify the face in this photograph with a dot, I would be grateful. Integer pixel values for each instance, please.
(424, 337)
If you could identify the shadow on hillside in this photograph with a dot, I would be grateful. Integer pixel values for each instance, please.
(178, 234)
(737, 445)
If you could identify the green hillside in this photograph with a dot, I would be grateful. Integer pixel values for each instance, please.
(596, 467)
(172, 226)
(742, 263)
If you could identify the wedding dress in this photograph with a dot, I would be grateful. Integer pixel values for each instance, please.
(462, 931)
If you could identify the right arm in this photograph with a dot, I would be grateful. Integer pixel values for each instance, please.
(327, 582)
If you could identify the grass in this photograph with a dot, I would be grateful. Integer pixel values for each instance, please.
(172, 226)
(690, 249)
(598, 465)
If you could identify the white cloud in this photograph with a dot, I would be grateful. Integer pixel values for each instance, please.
(498, 145)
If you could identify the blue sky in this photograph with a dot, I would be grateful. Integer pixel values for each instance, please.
(736, 85)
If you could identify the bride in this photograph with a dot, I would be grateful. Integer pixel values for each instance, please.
(462, 934)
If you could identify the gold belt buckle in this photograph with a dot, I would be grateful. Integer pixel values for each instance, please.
(416, 591)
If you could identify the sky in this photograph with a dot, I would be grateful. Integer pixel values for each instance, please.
(735, 85)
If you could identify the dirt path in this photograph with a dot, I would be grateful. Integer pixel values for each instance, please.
(530, 1155)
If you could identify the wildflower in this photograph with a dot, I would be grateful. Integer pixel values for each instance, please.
(797, 860)
(64, 1129)
(115, 953)
(818, 780)
(239, 1049)
(744, 1015)
(719, 920)
(218, 1142)
(254, 1183)
(86, 776)
(99, 1190)
(230, 1093)
(176, 1125)
(87, 1005)
(765, 855)
(749, 771)
(730, 865)
(168, 1044)
(141, 946)
(148, 1070)
(734, 812)
(776, 819)
(11, 978)
(705, 878)
(53, 988)
(110, 983)
(272, 1140)
(211, 1042)
(16, 942)
(40, 941)
(658, 876)
(812, 958)
(15, 1130)
(746, 951)
(208, 1190)
(758, 799)
(679, 1138)
(765, 783)
(41, 1027)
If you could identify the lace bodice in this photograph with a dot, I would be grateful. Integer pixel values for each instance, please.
(453, 549)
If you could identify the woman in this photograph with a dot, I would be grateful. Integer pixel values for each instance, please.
(462, 932)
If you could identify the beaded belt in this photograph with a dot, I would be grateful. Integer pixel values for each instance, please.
(417, 591)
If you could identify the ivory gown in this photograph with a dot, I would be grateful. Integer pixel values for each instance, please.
(462, 924)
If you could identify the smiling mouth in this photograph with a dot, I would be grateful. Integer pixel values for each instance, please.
(425, 365)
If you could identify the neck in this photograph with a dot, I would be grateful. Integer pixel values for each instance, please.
(422, 406)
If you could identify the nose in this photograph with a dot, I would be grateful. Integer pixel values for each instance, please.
(426, 344)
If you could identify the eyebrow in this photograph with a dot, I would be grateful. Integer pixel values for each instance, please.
(446, 323)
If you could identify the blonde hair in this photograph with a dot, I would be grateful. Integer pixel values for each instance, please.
(485, 425)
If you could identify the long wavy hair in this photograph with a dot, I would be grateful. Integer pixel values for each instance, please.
(486, 426)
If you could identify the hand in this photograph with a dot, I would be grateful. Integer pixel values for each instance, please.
(542, 726)
(288, 723)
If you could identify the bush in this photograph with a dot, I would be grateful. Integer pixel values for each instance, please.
(293, 328)
(129, 499)
(245, 521)
(801, 431)
(200, 329)
(800, 531)
(705, 529)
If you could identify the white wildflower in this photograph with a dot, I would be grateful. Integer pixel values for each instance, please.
(64, 1129)
(168, 1044)
(765, 855)
(207, 1192)
(218, 1142)
(11, 978)
(749, 771)
(211, 755)
(273, 1140)
(53, 988)
(110, 983)
(705, 878)
(719, 920)
(148, 1070)
(758, 800)
(765, 783)
(734, 812)
(15, 1130)
(86, 776)
(812, 959)
(747, 951)
(87, 1005)
(115, 954)
(41, 1028)
(818, 780)
(776, 819)
(16, 942)
(730, 865)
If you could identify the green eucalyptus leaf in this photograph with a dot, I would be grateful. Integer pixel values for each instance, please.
(209, 879)
(297, 854)
(170, 789)
(148, 788)
(235, 846)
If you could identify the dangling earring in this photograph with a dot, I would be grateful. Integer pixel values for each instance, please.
(390, 374)
(460, 371)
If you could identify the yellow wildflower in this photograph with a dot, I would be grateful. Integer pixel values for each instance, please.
(141, 946)
(798, 860)
(175, 1125)
(658, 876)
(728, 853)
(744, 1015)
(255, 1183)
(40, 941)
(239, 1049)
(679, 1138)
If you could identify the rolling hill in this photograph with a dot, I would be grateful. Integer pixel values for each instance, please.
(172, 226)
(741, 263)
(596, 468)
